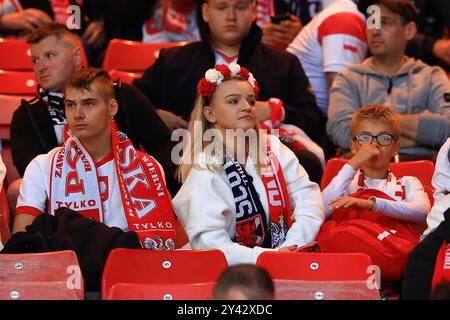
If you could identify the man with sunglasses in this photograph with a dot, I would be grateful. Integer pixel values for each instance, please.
(419, 93)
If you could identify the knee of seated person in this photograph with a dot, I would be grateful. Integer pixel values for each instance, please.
(310, 163)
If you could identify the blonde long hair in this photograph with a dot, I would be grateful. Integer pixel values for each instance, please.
(191, 152)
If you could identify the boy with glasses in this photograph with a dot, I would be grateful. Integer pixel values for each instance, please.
(369, 209)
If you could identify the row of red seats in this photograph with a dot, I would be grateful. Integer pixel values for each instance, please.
(184, 274)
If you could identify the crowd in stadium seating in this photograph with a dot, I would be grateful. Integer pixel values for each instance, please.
(151, 152)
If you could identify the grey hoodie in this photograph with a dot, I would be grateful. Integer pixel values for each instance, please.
(417, 88)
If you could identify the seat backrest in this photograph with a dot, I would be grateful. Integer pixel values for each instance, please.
(41, 276)
(124, 76)
(421, 169)
(17, 82)
(5, 232)
(332, 168)
(315, 266)
(8, 104)
(133, 55)
(170, 291)
(15, 55)
(319, 275)
(161, 267)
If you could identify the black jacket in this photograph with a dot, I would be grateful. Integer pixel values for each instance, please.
(92, 241)
(32, 131)
(419, 270)
(171, 82)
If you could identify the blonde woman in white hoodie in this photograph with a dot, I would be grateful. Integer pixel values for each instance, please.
(237, 196)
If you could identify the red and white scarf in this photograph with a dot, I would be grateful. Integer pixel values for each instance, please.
(146, 201)
(251, 219)
(393, 188)
(264, 10)
(60, 12)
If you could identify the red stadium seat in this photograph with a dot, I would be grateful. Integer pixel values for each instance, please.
(132, 55)
(17, 82)
(8, 104)
(15, 55)
(124, 76)
(161, 267)
(41, 276)
(422, 169)
(5, 232)
(319, 276)
(178, 291)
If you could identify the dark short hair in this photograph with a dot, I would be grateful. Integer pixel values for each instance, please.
(84, 78)
(58, 30)
(254, 282)
(404, 8)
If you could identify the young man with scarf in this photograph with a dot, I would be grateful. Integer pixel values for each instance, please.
(254, 199)
(97, 171)
(37, 125)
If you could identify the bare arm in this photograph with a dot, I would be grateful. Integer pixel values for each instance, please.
(21, 221)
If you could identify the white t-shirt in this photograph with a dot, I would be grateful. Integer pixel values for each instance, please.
(332, 40)
(35, 190)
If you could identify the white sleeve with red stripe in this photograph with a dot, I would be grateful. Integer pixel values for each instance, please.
(343, 40)
(33, 194)
(415, 207)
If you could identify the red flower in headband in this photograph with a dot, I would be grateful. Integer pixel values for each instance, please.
(205, 88)
(245, 73)
(224, 70)
(214, 77)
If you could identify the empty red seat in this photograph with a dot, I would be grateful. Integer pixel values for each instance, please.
(133, 56)
(320, 276)
(161, 267)
(41, 276)
(171, 291)
(17, 82)
(14, 55)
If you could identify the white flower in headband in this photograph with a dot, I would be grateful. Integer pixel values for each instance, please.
(214, 76)
(251, 79)
(234, 68)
